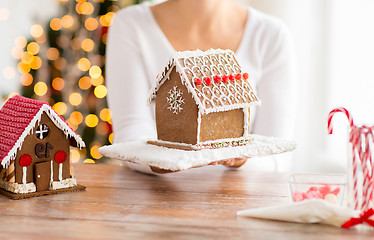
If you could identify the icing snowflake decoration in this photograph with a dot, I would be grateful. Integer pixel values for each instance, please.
(175, 100)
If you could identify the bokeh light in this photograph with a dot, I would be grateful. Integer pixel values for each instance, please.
(52, 54)
(110, 138)
(106, 20)
(36, 62)
(97, 81)
(20, 42)
(58, 83)
(4, 14)
(75, 44)
(102, 128)
(75, 155)
(105, 114)
(84, 83)
(56, 24)
(27, 57)
(84, 64)
(88, 45)
(88, 161)
(36, 30)
(91, 120)
(76, 117)
(91, 24)
(95, 72)
(94, 151)
(40, 88)
(17, 52)
(60, 63)
(26, 79)
(75, 99)
(60, 108)
(9, 72)
(23, 67)
(84, 8)
(33, 48)
(67, 21)
(100, 91)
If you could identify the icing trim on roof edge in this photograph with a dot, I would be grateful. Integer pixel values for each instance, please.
(55, 118)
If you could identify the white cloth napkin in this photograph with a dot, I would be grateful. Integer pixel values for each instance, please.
(175, 159)
(307, 211)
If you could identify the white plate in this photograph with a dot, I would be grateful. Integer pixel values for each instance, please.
(175, 159)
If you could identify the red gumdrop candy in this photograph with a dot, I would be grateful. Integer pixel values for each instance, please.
(245, 76)
(298, 196)
(326, 189)
(208, 80)
(225, 78)
(314, 194)
(231, 77)
(238, 76)
(217, 78)
(198, 81)
(336, 191)
(313, 189)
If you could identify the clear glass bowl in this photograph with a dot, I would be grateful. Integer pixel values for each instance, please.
(329, 187)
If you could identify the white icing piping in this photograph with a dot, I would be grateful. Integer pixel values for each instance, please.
(60, 171)
(51, 181)
(24, 172)
(246, 121)
(198, 126)
(61, 124)
(234, 91)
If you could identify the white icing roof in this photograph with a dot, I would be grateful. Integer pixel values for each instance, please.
(210, 96)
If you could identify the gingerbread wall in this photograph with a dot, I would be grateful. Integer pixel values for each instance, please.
(176, 127)
(221, 125)
(56, 138)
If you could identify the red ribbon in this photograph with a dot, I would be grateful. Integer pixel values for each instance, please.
(364, 217)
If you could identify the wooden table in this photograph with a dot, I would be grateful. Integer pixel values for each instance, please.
(195, 204)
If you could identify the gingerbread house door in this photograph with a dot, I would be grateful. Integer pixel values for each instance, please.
(42, 176)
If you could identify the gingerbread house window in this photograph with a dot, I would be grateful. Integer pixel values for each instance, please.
(42, 131)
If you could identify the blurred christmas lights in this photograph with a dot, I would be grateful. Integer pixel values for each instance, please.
(73, 47)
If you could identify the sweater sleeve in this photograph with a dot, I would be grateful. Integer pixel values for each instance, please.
(277, 87)
(127, 83)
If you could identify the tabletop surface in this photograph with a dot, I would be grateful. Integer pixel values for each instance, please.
(195, 204)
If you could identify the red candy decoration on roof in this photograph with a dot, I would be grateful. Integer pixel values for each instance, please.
(225, 78)
(25, 160)
(231, 77)
(217, 79)
(60, 156)
(238, 76)
(208, 81)
(245, 76)
(198, 81)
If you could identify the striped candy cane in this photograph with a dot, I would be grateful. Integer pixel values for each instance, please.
(332, 113)
(354, 139)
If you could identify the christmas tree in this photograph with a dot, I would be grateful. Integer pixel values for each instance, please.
(64, 65)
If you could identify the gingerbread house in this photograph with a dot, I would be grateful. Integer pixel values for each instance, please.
(35, 147)
(203, 100)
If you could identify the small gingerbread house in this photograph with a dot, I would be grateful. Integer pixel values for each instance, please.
(35, 147)
(202, 101)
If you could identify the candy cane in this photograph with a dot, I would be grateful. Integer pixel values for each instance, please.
(354, 139)
(332, 113)
(367, 164)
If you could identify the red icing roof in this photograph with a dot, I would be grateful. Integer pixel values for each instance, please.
(15, 116)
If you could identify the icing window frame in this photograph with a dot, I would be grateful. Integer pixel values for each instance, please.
(42, 134)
